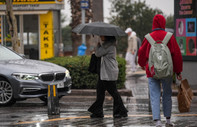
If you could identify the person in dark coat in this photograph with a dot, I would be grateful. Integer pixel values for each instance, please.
(158, 33)
(107, 79)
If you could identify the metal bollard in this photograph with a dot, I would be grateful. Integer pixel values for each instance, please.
(53, 100)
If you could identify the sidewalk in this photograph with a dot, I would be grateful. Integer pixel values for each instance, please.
(136, 85)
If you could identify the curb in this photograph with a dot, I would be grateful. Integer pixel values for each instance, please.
(175, 92)
(92, 92)
(122, 92)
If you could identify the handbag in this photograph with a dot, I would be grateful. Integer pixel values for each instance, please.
(95, 63)
(184, 96)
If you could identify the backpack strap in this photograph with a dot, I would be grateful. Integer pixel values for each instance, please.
(167, 38)
(150, 39)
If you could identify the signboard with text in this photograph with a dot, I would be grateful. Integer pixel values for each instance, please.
(0, 31)
(185, 22)
(32, 5)
(46, 36)
(35, 1)
(84, 4)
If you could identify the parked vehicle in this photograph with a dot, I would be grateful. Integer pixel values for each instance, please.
(22, 78)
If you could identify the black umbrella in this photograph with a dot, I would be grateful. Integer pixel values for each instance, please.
(99, 28)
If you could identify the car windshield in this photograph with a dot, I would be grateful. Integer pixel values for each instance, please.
(7, 54)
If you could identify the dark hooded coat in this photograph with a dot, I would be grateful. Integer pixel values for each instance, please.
(158, 33)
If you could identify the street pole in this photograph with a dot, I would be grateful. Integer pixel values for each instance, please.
(84, 5)
(83, 22)
(21, 29)
(2, 30)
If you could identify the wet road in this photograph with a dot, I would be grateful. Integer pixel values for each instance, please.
(33, 113)
(73, 111)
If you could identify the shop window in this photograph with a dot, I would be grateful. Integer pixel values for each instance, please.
(31, 36)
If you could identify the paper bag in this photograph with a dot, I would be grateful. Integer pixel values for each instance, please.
(184, 96)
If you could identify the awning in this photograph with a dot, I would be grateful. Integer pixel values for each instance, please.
(26, 12)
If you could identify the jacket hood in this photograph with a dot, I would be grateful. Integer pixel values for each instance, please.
(159, 22)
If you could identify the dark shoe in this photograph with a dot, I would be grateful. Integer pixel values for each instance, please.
(169, 125)
(120, 115)
(96, 115)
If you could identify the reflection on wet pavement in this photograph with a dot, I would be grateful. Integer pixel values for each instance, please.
(73, 111)
(75, 114)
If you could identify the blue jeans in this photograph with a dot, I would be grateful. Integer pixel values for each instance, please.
(155, 93)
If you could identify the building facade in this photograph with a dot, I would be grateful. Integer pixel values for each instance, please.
(39, 26)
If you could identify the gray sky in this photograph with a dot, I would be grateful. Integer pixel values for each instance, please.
(167, 6)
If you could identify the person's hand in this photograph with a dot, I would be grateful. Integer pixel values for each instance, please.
(143, 68)
(99, 44)
(179, 77)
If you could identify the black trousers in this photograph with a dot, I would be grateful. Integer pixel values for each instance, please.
(110, 86)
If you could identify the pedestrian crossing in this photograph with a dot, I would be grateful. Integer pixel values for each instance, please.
(137, 82)
(140, 93)
(87, 117)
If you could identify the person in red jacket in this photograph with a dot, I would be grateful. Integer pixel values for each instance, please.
(158, 33)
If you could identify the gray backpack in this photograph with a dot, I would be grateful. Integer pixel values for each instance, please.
(160, 59)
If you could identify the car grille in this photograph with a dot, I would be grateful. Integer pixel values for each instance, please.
(44, 91)
(59, 76)
(52, 77)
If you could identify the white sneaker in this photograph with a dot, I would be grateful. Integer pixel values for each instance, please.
(158, 123)
(169, 125)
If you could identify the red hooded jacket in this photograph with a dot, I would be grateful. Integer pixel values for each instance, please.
(158, 33)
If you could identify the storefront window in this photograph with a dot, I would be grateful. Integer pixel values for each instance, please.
(31, 36)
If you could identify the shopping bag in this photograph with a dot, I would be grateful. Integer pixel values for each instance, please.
(94, 66)
(184, 96)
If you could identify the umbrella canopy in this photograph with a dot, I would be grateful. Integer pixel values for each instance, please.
(99, 28)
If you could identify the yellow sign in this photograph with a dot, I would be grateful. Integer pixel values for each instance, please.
(34, 1)
(0, 30)
(46, 36)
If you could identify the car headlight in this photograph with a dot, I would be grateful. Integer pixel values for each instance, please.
(67, 73)
(24, 76)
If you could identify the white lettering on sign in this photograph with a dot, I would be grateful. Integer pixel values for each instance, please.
(185, 2)
(185, 7)
(84, 4)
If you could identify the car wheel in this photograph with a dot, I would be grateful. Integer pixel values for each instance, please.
(6, 93)
(45, 99)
